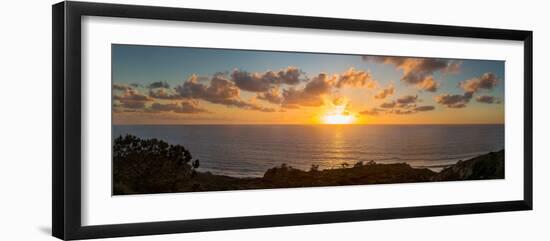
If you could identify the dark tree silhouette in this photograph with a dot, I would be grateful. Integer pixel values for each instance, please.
(150, 166)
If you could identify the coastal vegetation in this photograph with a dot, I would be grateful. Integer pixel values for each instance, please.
(150, 166)
(154, 166)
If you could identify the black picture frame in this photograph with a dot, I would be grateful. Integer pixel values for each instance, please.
(66, 169)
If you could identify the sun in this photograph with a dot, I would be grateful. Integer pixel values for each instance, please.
(338, 119)
(338, 115)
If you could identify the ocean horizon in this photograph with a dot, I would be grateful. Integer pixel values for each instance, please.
(248, 150)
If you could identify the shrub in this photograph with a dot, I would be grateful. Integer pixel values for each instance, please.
(150, 166)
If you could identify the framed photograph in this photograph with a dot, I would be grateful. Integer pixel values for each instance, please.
(169, 120)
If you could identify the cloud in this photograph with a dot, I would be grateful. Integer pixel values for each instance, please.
(388, 91)
(419, 71)
(262, 82)
(189, 107)
(121, 87)
(252, 106)
(295, 98)
(341, 100)
(453, 67)
(290, 76)
(397, 111)
(290, 106)
(133, 104)
(453, 101)
(487, 99)
(486, 81)
(372, 111)
(407, 99)
(321, 84)
(402, 112)
(163, 93)
(429, 84)
(412, 111)
(220, 91)
(159, 84)
(273, 95)
(132, 99)
(404, 105)
(353, 78)
(425, 108)
(267, 86)
(388, 105)
(312, 94)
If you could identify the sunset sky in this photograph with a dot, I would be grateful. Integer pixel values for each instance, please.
(177, 85)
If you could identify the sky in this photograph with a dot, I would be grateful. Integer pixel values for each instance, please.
(181, 85)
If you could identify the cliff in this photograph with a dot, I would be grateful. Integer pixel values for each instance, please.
(488, 166)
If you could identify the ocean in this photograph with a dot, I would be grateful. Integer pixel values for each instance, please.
(249, 150)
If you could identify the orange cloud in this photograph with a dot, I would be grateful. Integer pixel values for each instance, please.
(372, 112)
(428, 84)
(407, 99)
(388, 105)
(181, 107)
(486, 81)
(353, 78)
(273, 95)
(164, 93)
(312, 94)
(220, 91)
(425, 108)
(382, 94)
(159, 84)
(453, 101)
(487, 99)
(261, 82)
(419, 71)
(130, 98)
